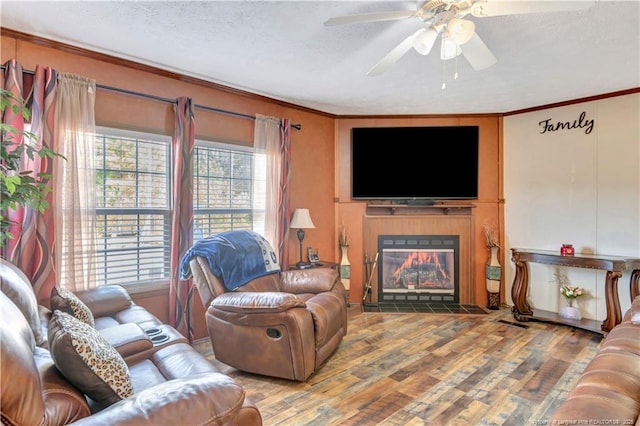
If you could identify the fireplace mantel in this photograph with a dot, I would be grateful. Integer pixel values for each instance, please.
(409, 209)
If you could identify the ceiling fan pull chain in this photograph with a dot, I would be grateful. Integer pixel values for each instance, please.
(455, 75)
(444, 74)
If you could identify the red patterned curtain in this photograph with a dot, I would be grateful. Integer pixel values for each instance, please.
(32, 248)
(284, 208)
(181, 291)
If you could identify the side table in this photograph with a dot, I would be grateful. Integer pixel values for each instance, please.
(321, 264)
(614, 265)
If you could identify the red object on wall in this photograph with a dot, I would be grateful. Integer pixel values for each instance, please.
(567, 250)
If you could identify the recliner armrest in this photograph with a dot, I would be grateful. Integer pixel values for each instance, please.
(308, 281)
(257, 302)
(128, 339)
(209, 398)
(103, 301)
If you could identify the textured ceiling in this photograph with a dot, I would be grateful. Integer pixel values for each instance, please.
(282, 50)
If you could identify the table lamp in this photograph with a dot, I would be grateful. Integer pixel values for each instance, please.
(301, 220)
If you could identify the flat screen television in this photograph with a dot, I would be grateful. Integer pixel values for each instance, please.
(414, 164)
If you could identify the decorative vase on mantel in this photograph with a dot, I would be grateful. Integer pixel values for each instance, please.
(493, 274)
(345, 270)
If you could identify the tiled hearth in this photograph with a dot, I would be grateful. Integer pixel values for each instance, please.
(428, 308)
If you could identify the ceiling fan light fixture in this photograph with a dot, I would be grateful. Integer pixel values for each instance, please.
(460, 30)
(449, 49)
(424, 41)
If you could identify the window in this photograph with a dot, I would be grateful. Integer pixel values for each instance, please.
(133, 200)
(227, 193)
(132, 207)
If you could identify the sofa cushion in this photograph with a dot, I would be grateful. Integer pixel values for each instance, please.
(87, 360)
(634, 311)
(17, 287)
(63, 402)
(65, 301)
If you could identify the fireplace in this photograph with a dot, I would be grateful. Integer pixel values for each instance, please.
(418, 268)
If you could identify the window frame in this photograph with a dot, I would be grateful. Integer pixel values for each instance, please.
(251, 210)
(148, 286)
(157, 286)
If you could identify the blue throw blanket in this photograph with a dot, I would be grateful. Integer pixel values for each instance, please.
(235, 256)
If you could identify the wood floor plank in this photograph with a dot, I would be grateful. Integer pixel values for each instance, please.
(429, 369)
(543, 380)
(438, 400)
(483, 369)
(459, 411)
(381, 409)
(417, 384)
(423, 364)
(361, 395)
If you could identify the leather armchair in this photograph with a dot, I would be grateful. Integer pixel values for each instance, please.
(284, 324)
(172, 382)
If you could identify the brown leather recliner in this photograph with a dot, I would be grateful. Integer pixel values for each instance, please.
(284, 325)
(171, 382)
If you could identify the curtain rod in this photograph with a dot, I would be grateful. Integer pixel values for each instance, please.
(171, 101)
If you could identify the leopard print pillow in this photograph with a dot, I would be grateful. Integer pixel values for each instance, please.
(87, 360)
(64, 300)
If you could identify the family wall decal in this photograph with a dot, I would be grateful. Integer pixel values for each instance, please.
(580, 123)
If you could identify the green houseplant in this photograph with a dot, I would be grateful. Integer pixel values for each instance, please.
(19, 188)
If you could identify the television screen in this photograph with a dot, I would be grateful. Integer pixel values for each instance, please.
(414, 163)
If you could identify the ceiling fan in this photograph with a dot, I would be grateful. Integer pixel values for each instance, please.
(446, 18)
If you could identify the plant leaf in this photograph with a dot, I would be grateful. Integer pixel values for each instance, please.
(12, 182)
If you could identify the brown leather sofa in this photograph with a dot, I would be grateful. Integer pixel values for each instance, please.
(608, 391)
(284, 325)
(171, 383)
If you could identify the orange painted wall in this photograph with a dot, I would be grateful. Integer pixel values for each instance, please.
(319, 152)
(312, 171)
(312, 149)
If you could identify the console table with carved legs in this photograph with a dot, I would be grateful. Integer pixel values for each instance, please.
(614, 265)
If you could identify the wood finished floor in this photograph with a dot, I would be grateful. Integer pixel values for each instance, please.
(429, 369)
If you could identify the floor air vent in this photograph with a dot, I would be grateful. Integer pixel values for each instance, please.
(515, 324)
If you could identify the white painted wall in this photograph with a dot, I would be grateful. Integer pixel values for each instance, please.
(573, 186)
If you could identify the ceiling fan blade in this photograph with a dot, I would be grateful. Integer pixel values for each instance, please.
(477, 53)
(395, 54)
(370, 17)
(503, 7)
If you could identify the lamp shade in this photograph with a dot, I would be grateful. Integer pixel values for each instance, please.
(449, 49)
(423, 42)
(301, 219)
(460, 30)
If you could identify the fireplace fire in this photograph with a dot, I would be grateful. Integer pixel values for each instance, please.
(418, 268)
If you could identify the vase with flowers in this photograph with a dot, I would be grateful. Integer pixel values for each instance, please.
(570, 293)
